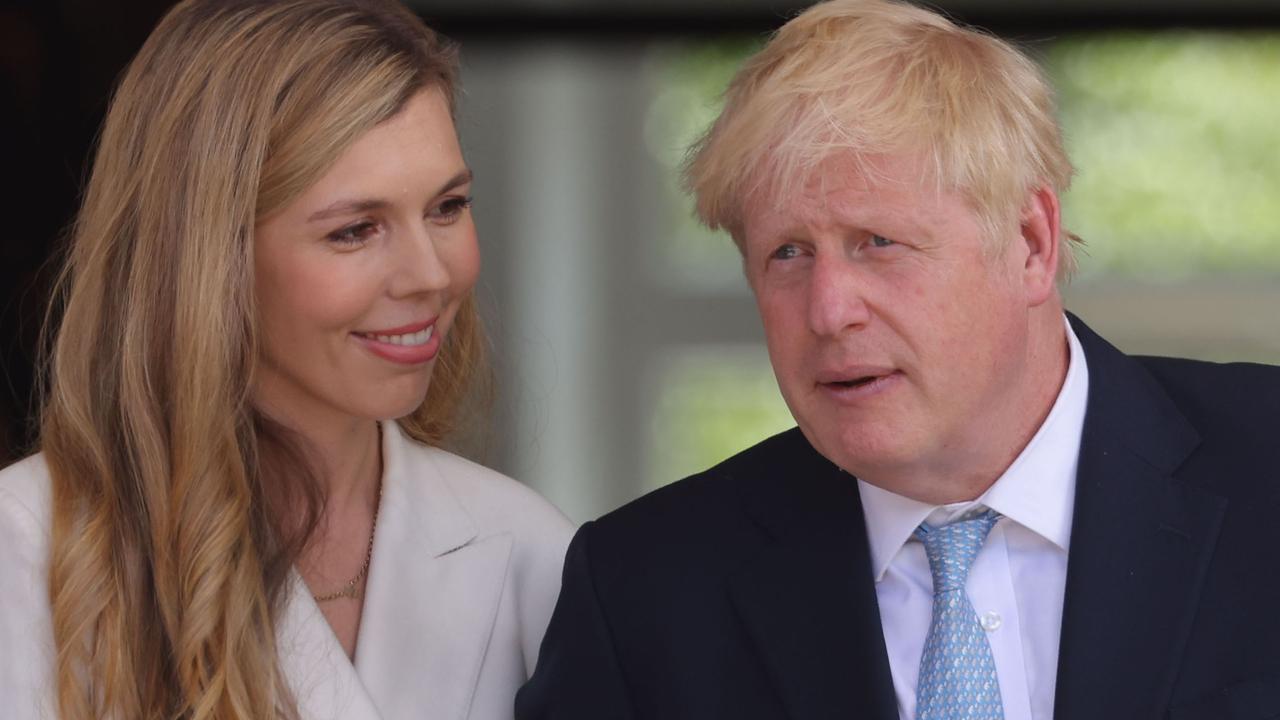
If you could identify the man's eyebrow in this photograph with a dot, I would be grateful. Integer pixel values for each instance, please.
(362, 205)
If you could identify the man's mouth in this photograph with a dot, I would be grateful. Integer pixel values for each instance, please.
(856, 382)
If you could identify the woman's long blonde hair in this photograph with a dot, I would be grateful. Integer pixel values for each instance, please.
(178, 509)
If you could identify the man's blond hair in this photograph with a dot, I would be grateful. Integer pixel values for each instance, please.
(869, 77)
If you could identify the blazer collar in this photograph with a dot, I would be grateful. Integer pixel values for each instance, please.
(324, 683)
(413, 484)
(431, 601)
(806, 599)
(1141, 541)
(433, 592)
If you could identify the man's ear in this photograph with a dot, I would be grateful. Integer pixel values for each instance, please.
(1041, 229)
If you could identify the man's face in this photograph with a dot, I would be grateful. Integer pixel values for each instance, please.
(899, 340)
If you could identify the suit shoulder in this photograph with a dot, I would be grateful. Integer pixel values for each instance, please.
(1208, 371)
(1249, 392)
(694, 503)
(1234, 408)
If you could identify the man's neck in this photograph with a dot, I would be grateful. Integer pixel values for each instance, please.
(993, 445)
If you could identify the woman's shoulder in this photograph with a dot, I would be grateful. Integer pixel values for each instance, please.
(495, 501)
(24, 497)
(26, 632)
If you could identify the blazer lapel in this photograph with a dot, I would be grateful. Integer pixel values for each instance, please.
(1140, 546)
(808, 600)
(433, 592)
(324, 683)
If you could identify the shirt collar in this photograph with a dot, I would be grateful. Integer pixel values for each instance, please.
(1037, 490)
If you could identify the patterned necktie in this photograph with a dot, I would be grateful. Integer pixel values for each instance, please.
(957, 673)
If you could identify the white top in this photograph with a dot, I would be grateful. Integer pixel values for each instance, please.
(1016, 583)
(465, 572)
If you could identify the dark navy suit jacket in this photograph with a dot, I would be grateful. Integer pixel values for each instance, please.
(746, 592)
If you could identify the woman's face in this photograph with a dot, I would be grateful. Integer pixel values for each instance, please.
(359, 279)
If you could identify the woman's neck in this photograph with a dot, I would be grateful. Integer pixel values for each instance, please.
(351, 460)
(346, 455)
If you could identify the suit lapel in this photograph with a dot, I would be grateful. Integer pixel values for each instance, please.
(808, 600)
(1140, 545)
(433, 592)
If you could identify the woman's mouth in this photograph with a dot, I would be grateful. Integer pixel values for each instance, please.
(413, 344)
(417, 338)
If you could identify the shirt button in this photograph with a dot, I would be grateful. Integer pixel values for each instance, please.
(991, 621)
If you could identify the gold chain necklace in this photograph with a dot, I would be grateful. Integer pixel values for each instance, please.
(352, 588)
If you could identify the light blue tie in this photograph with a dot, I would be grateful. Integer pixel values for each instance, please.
(957, 674)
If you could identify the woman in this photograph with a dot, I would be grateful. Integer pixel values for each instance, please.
(239, 510)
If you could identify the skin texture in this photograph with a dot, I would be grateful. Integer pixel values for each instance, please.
(871, 272)
(383, 240)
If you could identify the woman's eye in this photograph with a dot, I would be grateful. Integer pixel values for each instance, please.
(449, 211)
(880, 241)
(354, 234)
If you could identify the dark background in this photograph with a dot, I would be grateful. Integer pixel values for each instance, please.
(59, 60)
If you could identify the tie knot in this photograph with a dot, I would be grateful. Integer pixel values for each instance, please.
(952, 548)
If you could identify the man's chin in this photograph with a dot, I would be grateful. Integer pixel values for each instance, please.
(864, 452)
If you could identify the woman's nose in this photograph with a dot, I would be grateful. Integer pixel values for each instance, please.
(417, 265)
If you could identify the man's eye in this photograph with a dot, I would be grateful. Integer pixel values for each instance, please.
(785, 252)
(449, 211)
(880, 241)
(354, 234)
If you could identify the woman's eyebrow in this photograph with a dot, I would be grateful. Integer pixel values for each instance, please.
(357, 206)
(347, 207)
(462, 178)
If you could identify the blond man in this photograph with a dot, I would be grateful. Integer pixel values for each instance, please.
(986, 511)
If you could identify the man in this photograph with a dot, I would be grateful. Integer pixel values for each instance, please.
(986, 511)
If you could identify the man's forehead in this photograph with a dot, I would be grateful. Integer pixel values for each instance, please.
(847, 182)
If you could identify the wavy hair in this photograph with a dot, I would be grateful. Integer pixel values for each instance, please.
(179, 509)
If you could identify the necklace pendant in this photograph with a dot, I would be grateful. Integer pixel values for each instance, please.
(352, 588)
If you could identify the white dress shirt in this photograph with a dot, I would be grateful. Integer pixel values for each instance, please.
(465, 571)
(1016, 583)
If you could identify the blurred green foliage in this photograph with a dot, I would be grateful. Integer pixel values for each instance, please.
(1176, 141)
(712, 402)
(688, 82)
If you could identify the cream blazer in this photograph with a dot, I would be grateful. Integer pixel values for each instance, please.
(465, 572)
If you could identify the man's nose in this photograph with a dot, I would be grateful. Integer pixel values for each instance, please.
(837, 300)
(418, 264)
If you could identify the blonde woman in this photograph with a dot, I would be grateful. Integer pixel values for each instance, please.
(240, 509)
